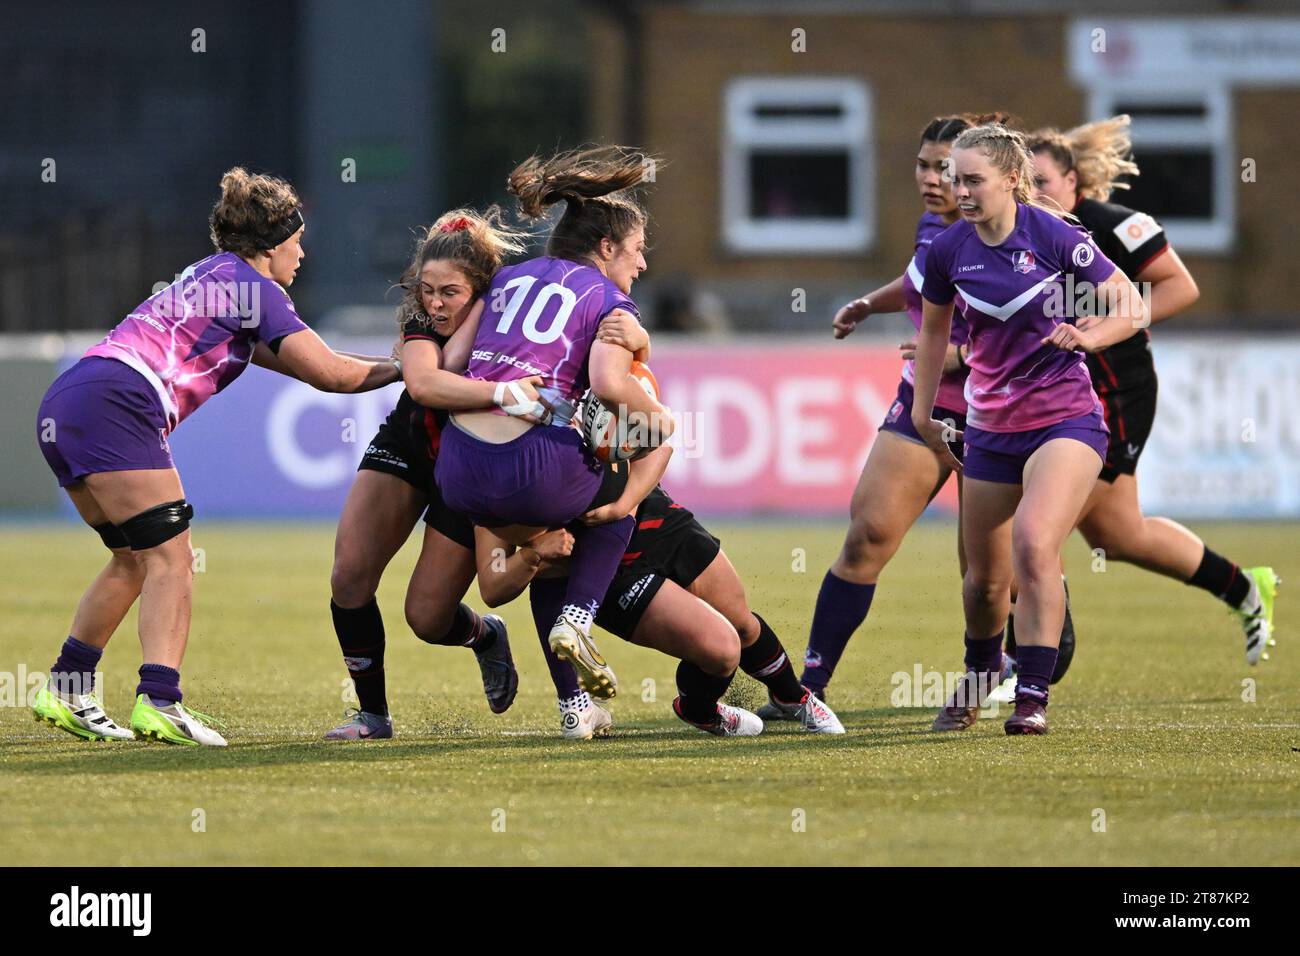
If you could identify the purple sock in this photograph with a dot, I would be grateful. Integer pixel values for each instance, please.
(74, 671)
(596, 555)
(546, 596)
(842, 606)
(984, 655)
(162, 684)
(1036, 667)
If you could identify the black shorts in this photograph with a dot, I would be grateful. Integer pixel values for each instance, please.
(401, 448)
(1124, 377)
(669, 544)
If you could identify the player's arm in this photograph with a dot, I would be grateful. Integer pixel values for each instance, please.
(504, 570)
(953, 359)
(607, 368)
(433, 386)
(644, 474)
(888, 298)
(455, 355)
(931, 350)
(1127, 312)
(305, 356)
(1172, 286)
(622, 329)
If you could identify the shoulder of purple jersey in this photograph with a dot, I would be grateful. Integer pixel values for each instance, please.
(614, 297)
(929, 226)
(946, 241)
(1044, 228)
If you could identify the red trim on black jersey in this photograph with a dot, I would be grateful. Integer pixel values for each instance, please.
(650, 523)
(631, 556)
(1142, 268)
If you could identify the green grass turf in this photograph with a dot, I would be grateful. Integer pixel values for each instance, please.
(1150, 728)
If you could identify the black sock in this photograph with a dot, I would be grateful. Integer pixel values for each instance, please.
(360, 632)
(765, 660)
(467, 630)
(699, 692)
(1221, 578)
(1009, 645)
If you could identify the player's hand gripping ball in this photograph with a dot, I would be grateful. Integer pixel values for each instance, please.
(611, 438)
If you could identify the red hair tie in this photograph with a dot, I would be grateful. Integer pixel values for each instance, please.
(455, 225)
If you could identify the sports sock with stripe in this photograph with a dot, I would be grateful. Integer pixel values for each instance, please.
(360, 632)
(765, 660)
(467, 630)
(1222, 578)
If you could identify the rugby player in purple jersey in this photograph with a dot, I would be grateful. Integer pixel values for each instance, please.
(1078, 170)
(1035, 437)
(541, 317)
(900, 476)
(675, 591)
(454, 261)
(103, 427)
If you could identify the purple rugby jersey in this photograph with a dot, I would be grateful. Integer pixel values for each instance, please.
(952, 385)
(540, 319)
(1017, 383)
(195, 337)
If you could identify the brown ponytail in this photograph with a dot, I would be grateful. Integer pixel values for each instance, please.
(592, 184)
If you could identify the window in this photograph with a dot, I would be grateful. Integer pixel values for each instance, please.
(1182, 141)
(797, 167)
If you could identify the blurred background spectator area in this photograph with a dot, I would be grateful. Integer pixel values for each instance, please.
(789, 132)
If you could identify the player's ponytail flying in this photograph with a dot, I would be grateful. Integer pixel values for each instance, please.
(1099, 154)
(593, 184)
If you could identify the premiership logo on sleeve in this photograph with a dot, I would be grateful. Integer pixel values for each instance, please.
(1083, 255)
(1023, 262)
(1137, 229)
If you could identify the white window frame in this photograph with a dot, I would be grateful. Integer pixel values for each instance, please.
(850, 133)
(1218, 233)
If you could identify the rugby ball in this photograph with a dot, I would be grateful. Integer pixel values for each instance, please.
(609, 437)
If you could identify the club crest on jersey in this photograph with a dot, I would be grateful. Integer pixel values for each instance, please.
(1023, 262)
(894, 411)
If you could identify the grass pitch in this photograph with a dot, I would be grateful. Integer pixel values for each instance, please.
(1166, 747)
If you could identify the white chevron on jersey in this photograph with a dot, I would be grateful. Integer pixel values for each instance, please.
(1004, 312)
(914, 274)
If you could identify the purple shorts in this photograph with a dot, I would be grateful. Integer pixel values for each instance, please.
(899, 418)
(101, 415)
(1001, 456)
(546, 477)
